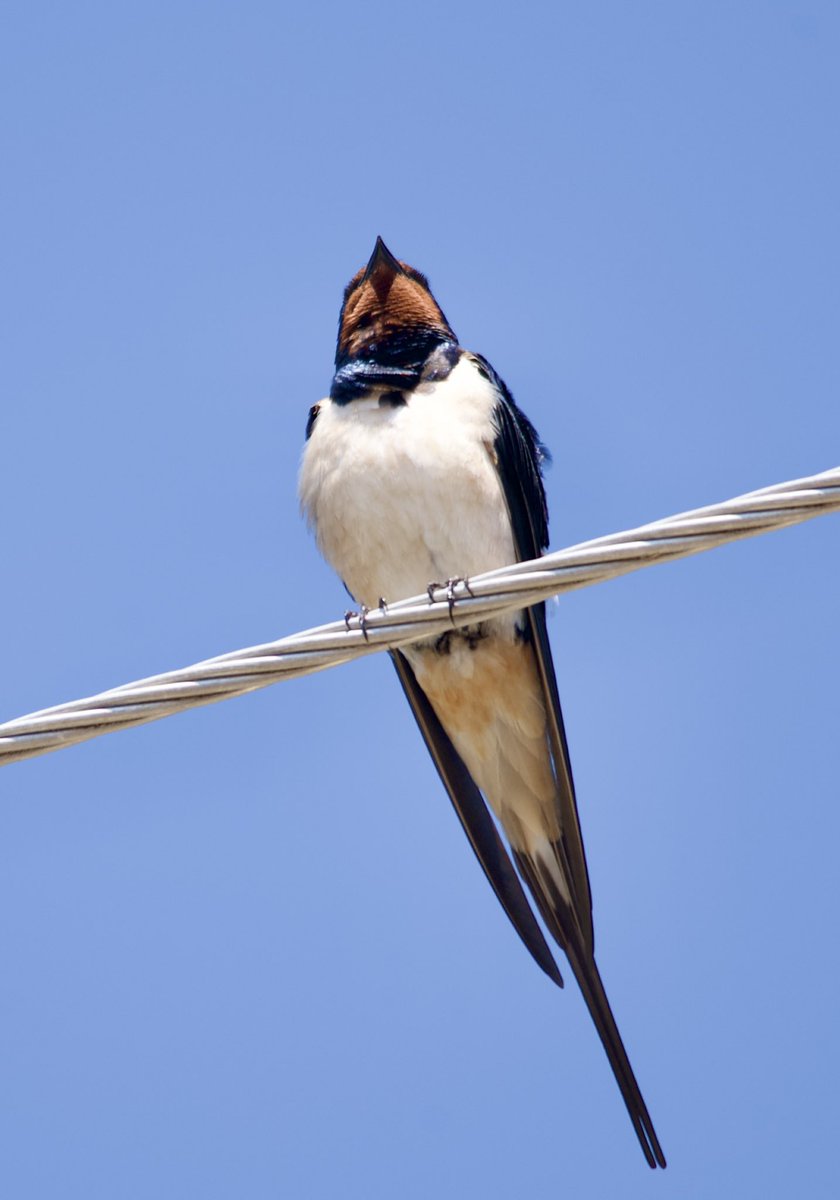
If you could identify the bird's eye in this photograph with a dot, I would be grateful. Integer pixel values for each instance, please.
(364, 321)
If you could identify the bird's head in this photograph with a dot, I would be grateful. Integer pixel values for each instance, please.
(389, 314)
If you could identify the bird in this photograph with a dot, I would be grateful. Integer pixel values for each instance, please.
(420, 467)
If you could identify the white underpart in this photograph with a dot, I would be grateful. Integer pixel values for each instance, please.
(400, 497)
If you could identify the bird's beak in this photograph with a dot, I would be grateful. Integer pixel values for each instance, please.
(382, 266)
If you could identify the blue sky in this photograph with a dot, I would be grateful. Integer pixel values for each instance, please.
(246, 951)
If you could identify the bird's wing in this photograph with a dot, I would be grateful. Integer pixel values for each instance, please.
(518, 456)
(476, 821)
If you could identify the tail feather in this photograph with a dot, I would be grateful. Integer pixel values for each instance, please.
(589, 980)
(521, 768)
(559, 919)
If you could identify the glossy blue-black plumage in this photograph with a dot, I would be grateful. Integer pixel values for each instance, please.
(398, 362)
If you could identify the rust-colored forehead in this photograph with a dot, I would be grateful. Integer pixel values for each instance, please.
(383, 301)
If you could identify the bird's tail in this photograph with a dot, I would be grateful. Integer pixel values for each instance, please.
(559, 919)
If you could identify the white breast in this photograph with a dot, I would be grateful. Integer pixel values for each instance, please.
(400, 497)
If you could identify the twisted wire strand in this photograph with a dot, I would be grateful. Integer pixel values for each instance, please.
(419, 617)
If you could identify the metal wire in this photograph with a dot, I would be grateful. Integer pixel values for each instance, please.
(420, 617)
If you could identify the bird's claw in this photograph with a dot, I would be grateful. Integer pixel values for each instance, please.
(360, 616)
(363, 615)
(450, 585)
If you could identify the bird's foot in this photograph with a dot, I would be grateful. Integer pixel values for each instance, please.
(361, 617)
(450, 585)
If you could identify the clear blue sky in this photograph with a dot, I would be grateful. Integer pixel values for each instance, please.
(247, 952)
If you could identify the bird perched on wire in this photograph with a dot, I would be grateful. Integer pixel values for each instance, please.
(419, 467)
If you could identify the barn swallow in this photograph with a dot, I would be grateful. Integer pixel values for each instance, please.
(419, 466)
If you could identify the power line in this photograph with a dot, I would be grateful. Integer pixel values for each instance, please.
(484, 596)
